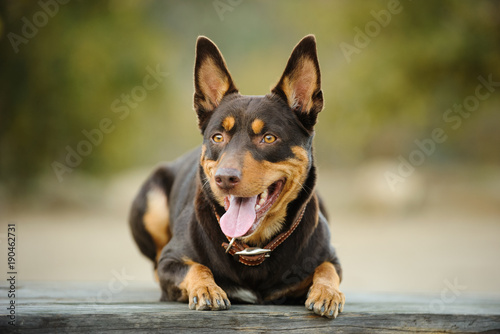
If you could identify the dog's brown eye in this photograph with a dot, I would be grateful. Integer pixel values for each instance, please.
(218, 138)
(269, 139)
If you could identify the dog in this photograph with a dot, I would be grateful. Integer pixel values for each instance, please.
(238, 218)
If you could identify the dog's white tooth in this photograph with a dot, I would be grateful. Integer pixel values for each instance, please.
(257, 207)
(262, 201)
(263, 196)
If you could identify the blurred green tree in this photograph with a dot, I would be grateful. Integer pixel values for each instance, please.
(60, 82)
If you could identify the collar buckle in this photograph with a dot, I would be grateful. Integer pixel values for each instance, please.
(253, 256)
(250, 251)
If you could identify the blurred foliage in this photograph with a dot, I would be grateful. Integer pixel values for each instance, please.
(65, 78)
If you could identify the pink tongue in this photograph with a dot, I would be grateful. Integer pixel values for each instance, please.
(240, 216)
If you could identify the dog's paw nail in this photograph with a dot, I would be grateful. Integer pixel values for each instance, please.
(195, 300)
(218, 302)
(209, 302)
(226, 301)
(323, 309)
(311, 306)
(330, 314)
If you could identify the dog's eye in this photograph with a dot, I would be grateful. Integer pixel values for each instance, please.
(218, 138)
(269, 139)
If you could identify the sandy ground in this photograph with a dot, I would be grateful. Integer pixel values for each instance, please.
(439, 233)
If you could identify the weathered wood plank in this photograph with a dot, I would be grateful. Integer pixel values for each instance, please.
(84, 308)
(208, 322)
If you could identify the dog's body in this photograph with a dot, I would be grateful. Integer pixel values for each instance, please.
(252, 181)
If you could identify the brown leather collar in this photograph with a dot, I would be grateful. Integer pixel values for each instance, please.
(255, 260)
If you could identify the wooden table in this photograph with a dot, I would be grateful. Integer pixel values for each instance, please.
(134, 307)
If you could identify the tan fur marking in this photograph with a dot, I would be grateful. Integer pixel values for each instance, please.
(203, 151)
(257, 126)
(199, 282)
(188, 261)
(257, 176)
(213, 83)
(228, 123)
(207, 164)
(325, 291)
(156, 219)
(295, 171)
(326, 273)
(209, 168)
(197, 274)
(301, 84)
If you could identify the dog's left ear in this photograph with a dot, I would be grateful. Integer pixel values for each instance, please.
(300, 84)
(212, 80)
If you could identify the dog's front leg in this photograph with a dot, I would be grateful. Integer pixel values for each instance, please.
(201, 290)
(324, 296)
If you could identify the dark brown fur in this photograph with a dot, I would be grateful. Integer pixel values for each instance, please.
(251, 144)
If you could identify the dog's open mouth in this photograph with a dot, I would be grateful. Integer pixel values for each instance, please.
(244, 214)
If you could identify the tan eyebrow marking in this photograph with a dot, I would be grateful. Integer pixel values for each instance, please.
(228, 123)
(257, 126)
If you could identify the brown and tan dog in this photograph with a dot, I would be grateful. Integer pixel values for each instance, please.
(238, 218)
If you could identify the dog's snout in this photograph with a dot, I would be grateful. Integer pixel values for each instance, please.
(227, 178)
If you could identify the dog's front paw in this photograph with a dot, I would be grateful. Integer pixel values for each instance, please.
(202, 291)
(325, 300)
(208, 297)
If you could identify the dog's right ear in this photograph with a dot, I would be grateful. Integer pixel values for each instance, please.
(212, 80)
(300, 84)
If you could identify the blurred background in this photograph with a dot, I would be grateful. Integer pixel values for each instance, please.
(93, 94)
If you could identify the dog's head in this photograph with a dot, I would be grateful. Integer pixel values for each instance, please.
(257, 150)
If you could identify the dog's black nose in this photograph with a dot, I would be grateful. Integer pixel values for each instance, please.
(227, 178)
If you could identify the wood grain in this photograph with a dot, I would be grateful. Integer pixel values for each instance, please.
(94, 307)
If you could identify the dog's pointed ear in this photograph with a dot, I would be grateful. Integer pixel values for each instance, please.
(300, 84)
(212, 80)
